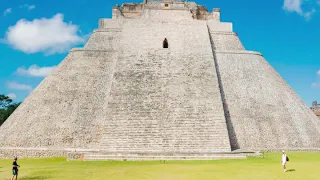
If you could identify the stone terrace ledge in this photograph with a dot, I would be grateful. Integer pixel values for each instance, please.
(221, 52)
(90, 50)
(69, 153)
(239, 52)
(224, 33)
(107, 30)
(49, 149)
(95, 154)
(292, 150)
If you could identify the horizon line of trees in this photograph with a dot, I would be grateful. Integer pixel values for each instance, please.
(7, 107)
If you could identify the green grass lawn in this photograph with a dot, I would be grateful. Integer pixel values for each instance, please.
(302, 166)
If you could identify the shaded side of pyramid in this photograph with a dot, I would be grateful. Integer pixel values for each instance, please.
(263, 111)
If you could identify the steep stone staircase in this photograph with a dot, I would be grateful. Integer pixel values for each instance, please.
(176, 113)
(146, 140)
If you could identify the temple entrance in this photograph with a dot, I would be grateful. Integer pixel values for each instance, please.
(165, 43)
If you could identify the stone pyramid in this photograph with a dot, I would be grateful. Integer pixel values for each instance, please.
(161, 77)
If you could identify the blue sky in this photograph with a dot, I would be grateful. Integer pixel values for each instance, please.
(286, 32)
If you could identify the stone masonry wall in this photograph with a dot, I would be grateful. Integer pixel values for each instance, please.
(65, 110)
(263, 112)
(316, 108)
(226, 41)
(161, 100)
(104, 39)
(10, 153)
(165, 100)
(179, 16)
(266, 113)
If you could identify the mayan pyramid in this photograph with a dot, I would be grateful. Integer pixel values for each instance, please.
(161, 77)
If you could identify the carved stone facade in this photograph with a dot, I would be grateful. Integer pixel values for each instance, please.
(316, 108)
(136, 10)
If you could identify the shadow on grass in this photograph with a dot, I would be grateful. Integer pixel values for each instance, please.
(291, 170)
(35, 178)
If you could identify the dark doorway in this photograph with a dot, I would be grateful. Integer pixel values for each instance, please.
(165, 43)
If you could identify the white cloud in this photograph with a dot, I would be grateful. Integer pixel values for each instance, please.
(35, 71)
(7, 11)
(293, 6)
(308, 15)
(318, 72)
(18, 86)
(296, 6)
(29, 7)
(12, 96)
(44, 35)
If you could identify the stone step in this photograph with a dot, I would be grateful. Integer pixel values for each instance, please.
(148, 158)
(100, 156)
(168, 119)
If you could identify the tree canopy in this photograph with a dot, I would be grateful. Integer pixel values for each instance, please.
(7, 107)
(5, 101)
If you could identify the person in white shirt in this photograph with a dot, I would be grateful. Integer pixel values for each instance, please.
(284, 161)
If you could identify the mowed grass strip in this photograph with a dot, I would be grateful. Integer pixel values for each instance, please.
(302, 165)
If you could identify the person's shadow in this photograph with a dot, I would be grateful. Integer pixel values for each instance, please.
(291, 170)
(35, 178)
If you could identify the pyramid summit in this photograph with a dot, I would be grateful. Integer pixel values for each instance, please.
(161, 79)
(316, 108)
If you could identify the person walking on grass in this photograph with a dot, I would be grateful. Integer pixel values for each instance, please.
(284, 159)
(15, 167)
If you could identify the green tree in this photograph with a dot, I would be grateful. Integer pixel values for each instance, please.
(7, 107)
(5, 101)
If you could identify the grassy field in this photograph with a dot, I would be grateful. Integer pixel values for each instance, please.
(301, 166)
